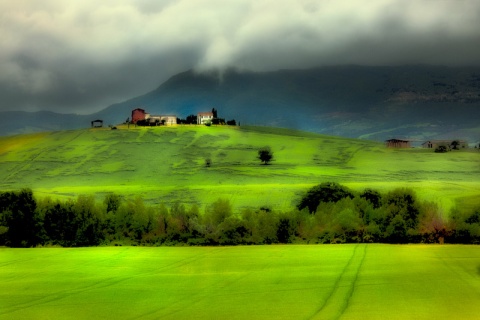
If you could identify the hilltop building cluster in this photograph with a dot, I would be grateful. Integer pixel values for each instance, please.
(142, 118)
(139, 116)
(430, 144)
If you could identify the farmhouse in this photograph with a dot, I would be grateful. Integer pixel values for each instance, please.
(97, 123)
(452, 144)
(204, 117)
(161, 119)
(137, 115)
(397, 143)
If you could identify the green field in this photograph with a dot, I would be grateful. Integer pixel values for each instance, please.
(167, 164)
(257, 282)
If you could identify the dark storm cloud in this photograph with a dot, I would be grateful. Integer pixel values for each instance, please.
(81, 56)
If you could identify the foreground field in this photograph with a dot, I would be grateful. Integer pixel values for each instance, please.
(258, 282)
(167, 164)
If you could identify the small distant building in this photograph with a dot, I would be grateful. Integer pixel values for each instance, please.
(397, 143)
(204, 117)
(156, 120)
(169, 120)
(138, 115)
(97, 123)
(450, 144)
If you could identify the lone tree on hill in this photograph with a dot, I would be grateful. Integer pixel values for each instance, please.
(265, 155)
(455, 144)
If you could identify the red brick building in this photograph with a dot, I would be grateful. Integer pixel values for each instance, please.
(138, 114)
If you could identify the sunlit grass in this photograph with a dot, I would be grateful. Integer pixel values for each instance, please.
(167, 164)
(257, 282)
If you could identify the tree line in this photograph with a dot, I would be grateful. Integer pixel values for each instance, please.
(327, 213)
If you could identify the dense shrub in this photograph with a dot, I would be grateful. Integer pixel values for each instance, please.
(338, 216)
(19, 218)
(325, 192)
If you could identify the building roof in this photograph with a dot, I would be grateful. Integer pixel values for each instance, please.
(205, 114)
(399, 140)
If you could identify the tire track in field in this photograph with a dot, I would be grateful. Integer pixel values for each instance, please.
(62, 294)
(199, 296)
(102, 283)
(342, 291)
(458, 269)
(23, 164)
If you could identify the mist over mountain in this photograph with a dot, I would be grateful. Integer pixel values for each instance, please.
(418, 102)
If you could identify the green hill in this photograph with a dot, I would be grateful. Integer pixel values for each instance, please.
(167, 164)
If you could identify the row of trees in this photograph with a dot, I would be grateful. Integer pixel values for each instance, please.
(327, 213)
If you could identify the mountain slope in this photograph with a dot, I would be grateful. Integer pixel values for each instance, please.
(19, 122)
(420, 102)
(370, 102)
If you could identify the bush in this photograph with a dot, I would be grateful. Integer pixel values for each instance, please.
(441, 149)
(324, 192)
(20, 218)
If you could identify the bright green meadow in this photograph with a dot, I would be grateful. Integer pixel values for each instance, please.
(357, 281)
(167, 164)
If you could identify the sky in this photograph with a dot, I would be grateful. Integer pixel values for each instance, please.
(81, 56)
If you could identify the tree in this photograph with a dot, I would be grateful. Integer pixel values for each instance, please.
(88, 221)
(455, 144)
(324, 192)
(265, 155)
(21, 219)
(372, 196)
(112, 202)
(59, 222)
(191, 119)
(403, 202)
(441, 149)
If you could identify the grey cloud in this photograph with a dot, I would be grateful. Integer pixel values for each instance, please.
(82, 56)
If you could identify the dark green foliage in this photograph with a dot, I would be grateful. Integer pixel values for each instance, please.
(466, 227)
(372, 196)
(232, 231)
(208, 162)
(20, 219)
(441, 149)
(60, 222)
(338, 217)
(324, 192)
(112, 202)
(265, 155)
(403, 202)
(285, 230)
(474, 218)
(455, 144)
(397, 230)
(87, 220)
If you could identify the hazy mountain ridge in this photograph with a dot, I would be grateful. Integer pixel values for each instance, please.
(353, 101)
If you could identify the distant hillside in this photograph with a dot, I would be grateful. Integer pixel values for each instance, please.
(376, 103)
(169, 164)
(19, 122)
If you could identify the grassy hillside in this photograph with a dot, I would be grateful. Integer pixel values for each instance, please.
(167, 164)
(245, 282)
